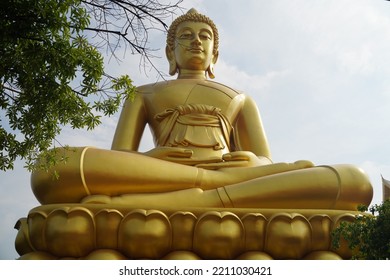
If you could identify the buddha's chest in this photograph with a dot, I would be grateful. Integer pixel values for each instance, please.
(228, 101)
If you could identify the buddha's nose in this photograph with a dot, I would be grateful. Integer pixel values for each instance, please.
(196, 41)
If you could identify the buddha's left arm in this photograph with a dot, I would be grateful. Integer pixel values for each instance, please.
(249, 134)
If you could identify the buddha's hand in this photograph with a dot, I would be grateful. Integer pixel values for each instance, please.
(173, 154)
(237, 159)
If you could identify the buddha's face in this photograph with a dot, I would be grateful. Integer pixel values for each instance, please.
(194, 46)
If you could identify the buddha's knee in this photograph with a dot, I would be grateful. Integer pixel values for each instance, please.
(62, 183)
(354, 187)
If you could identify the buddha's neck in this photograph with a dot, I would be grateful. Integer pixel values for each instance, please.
(192, 74)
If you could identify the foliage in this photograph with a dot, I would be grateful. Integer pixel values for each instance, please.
(369, 235)
(52, 70)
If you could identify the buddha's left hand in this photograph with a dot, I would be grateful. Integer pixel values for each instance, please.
(237, 159)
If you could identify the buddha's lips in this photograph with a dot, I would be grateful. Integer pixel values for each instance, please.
(197, 50)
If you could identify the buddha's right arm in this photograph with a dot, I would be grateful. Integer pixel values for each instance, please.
(131, 125)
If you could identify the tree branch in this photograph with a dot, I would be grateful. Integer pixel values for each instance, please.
(138, 48)
(138, 7)
(13, 90)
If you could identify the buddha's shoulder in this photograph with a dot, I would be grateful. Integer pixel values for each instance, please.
(184, 85)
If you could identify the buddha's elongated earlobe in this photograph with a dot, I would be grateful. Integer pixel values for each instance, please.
(210, 69)
(172, 61)
(172, 68)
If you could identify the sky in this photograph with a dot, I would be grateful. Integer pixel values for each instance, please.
(318, 70)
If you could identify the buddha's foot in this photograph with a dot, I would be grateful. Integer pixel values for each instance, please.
(300, 164)
(97, 199)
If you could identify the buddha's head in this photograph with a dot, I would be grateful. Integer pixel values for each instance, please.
(192, 43)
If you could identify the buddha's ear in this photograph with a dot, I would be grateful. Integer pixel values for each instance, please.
(210, 70)
(172, 61)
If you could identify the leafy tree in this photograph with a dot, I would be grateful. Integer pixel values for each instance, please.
(369, 235)
(52, 69)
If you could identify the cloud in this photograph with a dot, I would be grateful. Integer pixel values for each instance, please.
(101, 136)
(376, 171)
(16, 201)
(232, 75)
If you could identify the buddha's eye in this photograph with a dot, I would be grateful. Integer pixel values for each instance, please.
(186, 36)
(205, 36)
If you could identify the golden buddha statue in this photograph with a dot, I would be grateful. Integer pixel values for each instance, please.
(211, 148)
(208, 190)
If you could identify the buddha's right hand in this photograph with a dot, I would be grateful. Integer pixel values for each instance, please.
(173, 154)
